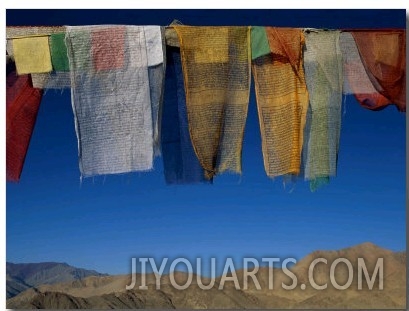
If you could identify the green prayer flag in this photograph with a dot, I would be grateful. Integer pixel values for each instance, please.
(259, 42)
(58, 50)
(318, 182)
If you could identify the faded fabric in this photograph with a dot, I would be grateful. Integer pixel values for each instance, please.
(259, 42)
(356, 80)
(13, 32)
(383, 54)
(111, 98)
(282, 101)
(156, 76)
(22, 104)
(171, 37)
(32, 55)
(324, 78)
(53, 80)
(180, 161)
(216, 65)
(155, 45)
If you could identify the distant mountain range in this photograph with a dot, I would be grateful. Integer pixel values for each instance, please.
(22, 276)
(99, 291)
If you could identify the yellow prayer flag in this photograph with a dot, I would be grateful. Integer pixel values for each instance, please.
(282, 101)
(216, 64)
(32, 55)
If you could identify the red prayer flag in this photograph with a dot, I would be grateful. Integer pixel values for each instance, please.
(22, 104)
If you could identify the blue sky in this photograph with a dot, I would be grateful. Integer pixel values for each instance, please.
(102, 222)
